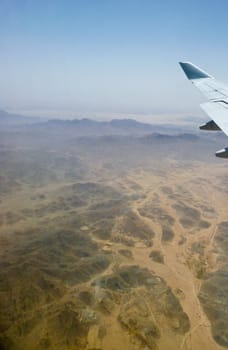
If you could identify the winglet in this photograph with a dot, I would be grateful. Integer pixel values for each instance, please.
(193, 72)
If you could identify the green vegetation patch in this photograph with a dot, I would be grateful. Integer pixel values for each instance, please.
(133, 226)
(156, 213)
(167, 234)
(157, 256)
(190, 217)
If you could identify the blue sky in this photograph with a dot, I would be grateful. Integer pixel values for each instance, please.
(106, 57)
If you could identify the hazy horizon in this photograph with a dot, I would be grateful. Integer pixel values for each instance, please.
(174, 119)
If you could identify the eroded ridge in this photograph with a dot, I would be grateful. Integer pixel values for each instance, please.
(123, 254)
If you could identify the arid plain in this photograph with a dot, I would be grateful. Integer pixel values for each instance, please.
(112, 237)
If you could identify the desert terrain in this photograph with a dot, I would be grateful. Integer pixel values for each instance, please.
(112, 237)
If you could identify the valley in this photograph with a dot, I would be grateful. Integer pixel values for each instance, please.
(112, 242)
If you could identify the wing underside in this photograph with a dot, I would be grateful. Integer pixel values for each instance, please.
(218, 112)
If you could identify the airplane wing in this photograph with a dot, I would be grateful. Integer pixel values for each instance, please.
(217, 94)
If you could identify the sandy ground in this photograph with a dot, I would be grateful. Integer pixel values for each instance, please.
(175, 270)
(178, 276)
